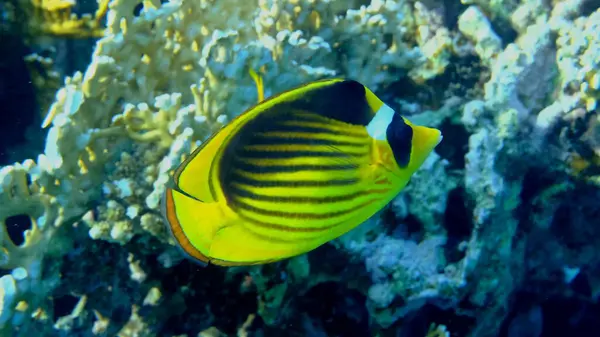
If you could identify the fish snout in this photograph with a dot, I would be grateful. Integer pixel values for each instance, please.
(425, 140)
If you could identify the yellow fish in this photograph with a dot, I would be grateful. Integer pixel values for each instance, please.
(292, 173)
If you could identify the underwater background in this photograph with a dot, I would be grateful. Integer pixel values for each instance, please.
(498, 233)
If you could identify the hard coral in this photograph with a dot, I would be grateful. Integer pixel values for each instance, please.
(23, 193)
(55, 17)
(578, 60)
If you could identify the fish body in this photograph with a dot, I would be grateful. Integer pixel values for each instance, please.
(292, 173)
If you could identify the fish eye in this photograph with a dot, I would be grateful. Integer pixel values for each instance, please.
(399, 136)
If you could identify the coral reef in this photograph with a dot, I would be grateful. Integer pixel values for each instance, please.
(56, 17)
(83, 246)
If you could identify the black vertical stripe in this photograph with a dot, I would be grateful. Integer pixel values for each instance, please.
(400, 135)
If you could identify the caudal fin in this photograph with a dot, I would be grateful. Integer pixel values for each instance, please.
(192, 223)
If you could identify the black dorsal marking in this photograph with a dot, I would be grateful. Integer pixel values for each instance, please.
(344, 101)
(400, 136)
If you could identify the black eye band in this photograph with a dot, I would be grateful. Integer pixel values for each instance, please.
(400, 136)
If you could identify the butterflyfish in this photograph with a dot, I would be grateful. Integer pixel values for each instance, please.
(291, 173)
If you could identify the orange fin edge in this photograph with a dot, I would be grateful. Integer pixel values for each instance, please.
(170, 215)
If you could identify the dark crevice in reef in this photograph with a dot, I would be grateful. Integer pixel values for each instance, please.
(388, 40)
(203, 298)
(418, 323)
(93, 270)
(193, 297)
(16, 227)
(330, 309)
(329, 260)
(573, 223)
(414, 228)
(452, 10)
(546, 304)
(405, 228)
(581, 285)
(516, 321)
(17, 99)
(504, 29)
(63, 305)
(410, 228)
(458, 223)
(463, 77)
(589, 7)
(543, 315)
(137, 10)
(407, 89)
(455, 150)
(535, 181)
(569, 317)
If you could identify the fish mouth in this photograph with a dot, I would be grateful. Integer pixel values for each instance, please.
(425, 140)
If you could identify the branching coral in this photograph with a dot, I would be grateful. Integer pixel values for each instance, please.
(23, 193)
(473, 24)
(578, 60)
